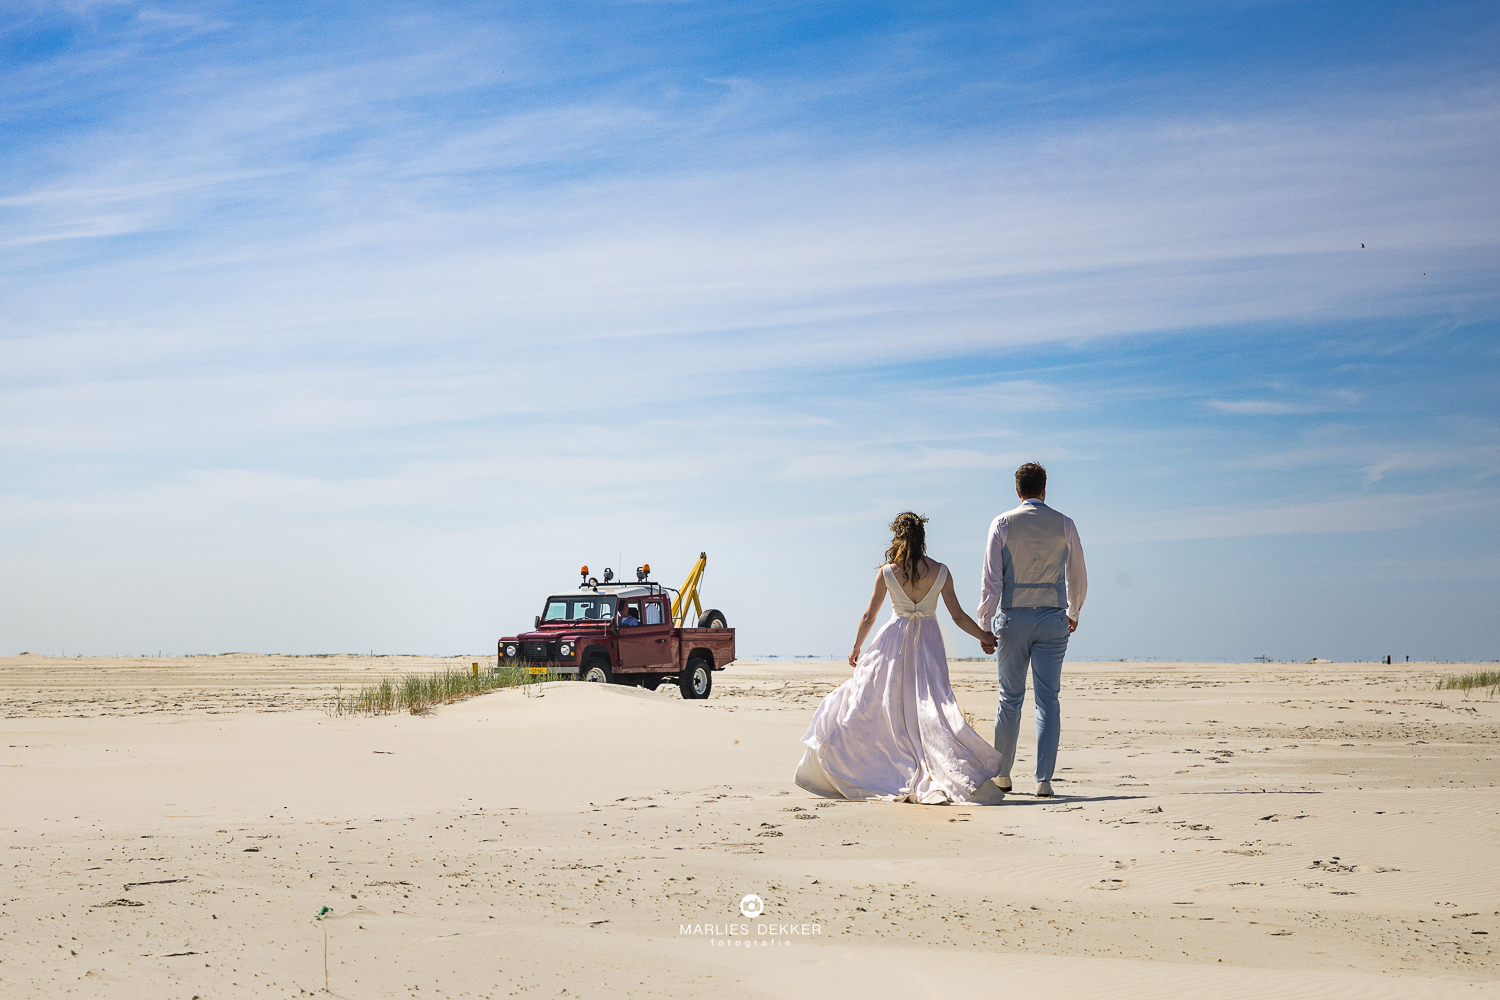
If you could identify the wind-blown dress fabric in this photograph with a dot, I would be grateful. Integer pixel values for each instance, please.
(894, 730)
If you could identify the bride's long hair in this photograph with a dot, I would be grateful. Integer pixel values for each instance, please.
(908, 543)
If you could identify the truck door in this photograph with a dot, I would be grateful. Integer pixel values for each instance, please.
(648, 646)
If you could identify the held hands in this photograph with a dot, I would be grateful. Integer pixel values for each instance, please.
(987, 644)
(1072, 625)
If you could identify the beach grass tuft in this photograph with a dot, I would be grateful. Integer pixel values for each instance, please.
(1464, 682)
(419, 693)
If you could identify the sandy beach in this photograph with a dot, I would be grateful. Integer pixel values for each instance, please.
(172, 826)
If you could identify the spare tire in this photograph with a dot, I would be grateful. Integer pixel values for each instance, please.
(713, 618)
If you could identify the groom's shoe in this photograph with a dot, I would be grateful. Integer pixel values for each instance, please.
(987, 794)
(1044, 789)
(1002, 783)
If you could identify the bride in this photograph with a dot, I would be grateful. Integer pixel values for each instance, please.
(894, 730)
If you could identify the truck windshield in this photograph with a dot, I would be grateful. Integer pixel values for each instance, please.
(579, 609)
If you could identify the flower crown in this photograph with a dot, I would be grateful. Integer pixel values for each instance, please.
(907, 522)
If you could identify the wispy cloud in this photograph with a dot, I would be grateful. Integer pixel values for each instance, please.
(1343, 516)
(1478, 452)
(604, 217)
(1329, 402)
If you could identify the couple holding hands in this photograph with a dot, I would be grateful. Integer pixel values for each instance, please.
(894, 730)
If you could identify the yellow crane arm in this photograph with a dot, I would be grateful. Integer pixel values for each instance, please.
(688, 595)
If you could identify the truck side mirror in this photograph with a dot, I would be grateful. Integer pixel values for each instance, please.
(538, 621)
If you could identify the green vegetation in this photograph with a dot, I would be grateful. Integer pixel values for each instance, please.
(1463, 682)
(419, 693)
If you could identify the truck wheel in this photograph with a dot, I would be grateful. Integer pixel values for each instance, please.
(696, 681)
(595, 671)
(651, 682)
(713, 618)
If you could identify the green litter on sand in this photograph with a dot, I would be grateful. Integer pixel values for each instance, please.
(324, 911)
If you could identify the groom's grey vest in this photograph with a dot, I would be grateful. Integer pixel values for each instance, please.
(1036, 573)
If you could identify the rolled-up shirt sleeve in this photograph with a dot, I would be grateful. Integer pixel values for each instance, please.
(992, 582)
(1078, 574)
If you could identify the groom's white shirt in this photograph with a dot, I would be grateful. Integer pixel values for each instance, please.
(997, 561)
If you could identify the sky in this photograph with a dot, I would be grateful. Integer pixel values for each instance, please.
(348, 327)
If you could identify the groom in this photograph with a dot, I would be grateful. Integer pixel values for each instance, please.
(1033, 587)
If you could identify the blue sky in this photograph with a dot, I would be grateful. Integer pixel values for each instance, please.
(354, 327)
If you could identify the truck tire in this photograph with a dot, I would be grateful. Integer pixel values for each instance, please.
(696, 681)
(595, 671)
(713, 618)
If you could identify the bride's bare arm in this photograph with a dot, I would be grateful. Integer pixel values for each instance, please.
(868, 618)
(961, 617)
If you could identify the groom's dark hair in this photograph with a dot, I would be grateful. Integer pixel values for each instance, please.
(1031, 480)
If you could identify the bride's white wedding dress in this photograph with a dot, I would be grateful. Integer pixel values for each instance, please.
(894, 730)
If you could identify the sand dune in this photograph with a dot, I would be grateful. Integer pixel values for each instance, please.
(1222, 830)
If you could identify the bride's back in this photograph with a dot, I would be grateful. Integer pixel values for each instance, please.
(915, 590)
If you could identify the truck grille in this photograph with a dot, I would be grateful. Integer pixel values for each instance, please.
(536, 652)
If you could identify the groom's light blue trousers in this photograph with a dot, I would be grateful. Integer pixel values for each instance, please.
(1037, 637)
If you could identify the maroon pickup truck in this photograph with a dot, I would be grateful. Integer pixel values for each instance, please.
(622, 634)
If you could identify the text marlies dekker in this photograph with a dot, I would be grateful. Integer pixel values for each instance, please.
(743, 930)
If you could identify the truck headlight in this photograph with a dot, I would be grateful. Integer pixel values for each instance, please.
(510, 650)
(565, 649)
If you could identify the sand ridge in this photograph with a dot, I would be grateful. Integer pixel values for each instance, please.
(1242, 829)
(91, 686)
